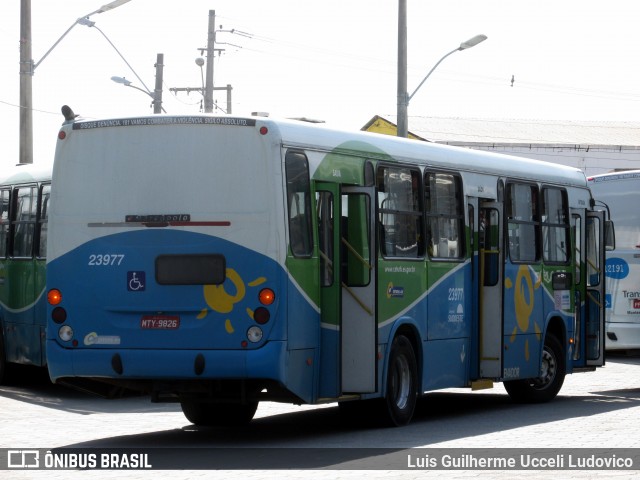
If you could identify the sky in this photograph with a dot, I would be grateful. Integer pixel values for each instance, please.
(332, 60)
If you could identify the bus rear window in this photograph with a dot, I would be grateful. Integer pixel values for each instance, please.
(190, 269)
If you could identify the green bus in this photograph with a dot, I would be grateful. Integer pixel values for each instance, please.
(24, 202)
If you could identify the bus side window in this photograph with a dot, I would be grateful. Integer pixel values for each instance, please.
(523, 222)
(399, 209)
(324, 206)
(299, 204)
(555, 226)
(43, 216)
(5, 195)
(445, 215)
(594, 269)
(24, 223)
(489, 235)
(355, 240)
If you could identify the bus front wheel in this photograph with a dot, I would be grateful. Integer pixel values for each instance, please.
(548, 384)
(402, 381)
(218, 414)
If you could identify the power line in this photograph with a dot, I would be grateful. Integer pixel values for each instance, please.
(381, 65)
(33, 109)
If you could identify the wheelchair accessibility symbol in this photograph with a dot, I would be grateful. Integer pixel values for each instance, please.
(136, 281)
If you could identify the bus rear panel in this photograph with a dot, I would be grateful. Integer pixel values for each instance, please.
(178, 274)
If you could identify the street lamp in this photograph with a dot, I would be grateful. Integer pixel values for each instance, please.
(403, 104)
(157, 97)
(28, 67)
(127, 83)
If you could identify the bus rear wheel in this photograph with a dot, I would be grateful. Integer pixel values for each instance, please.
(548, 384)
(402, 383)
(218, 414)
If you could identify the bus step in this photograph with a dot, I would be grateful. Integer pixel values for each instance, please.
(482, 384)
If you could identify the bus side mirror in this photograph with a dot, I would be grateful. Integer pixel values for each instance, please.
(609, 236)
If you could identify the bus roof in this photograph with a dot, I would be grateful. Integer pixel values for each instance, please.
(615, 176)
(433, 154)
(320, 137)
(26, 173)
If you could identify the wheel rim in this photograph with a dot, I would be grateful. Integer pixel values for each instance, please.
(401, 382)
(548, 370)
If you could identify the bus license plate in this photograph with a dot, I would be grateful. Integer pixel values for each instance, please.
(160, 322)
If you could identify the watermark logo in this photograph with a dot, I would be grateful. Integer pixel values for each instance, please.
(23, 459)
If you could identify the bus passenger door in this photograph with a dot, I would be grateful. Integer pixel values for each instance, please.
(491, 253)
(595, 308)
(359, 328)
(347, 303)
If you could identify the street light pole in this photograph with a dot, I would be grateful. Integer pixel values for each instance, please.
(463, 46)
(28, 67)
(403, 96)
(211, 41)
(403, 104)
(26, 84)
(157, 93)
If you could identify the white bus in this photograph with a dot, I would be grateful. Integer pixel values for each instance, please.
(620, 192)
(223, 261)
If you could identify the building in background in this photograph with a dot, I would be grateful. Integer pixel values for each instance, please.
(594, 147)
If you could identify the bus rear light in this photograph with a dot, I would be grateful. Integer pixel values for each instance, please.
(59, 315)
(65, 333)
(266, 296)
(62, 135)
(54, 297)
(261, 315)
(254, 334)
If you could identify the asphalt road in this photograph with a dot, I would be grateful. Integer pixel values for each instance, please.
(595, 410)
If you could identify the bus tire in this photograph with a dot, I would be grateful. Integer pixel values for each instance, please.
(218, 414)
(547, 386)
(401, 393)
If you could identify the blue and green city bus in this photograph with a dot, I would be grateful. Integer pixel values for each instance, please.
(222, 261)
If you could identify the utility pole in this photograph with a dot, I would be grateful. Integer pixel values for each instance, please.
(207, 87)
(26, 84)
(228, 88)
(403, 128)
(211, 51)
(157, 93)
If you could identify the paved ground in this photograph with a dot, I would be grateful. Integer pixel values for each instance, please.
(594, 410)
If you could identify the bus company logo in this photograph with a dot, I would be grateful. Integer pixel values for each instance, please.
(23, 459)
(94, 339)
(395, 292)
(636, 304)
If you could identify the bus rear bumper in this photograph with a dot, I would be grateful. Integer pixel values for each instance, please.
(267, 362)
(622, 336)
